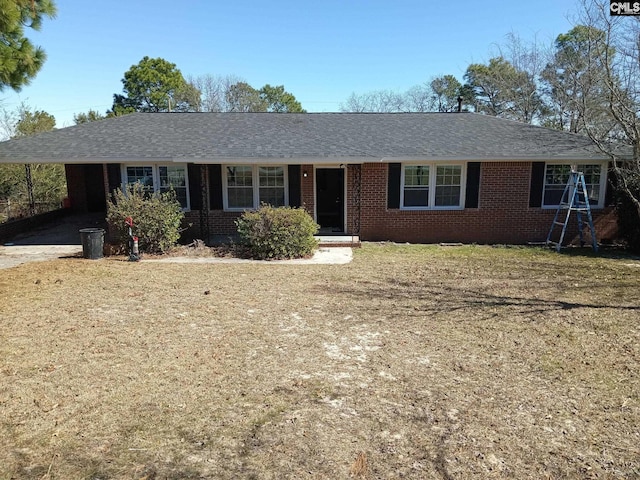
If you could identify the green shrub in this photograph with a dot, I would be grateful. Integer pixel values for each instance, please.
(278, 233)
(157, 218)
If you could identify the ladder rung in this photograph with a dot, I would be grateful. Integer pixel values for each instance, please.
(577, 201)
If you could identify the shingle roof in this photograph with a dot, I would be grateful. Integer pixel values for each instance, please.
(289, 138)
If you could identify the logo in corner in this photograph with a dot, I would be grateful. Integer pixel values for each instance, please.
(617, 8)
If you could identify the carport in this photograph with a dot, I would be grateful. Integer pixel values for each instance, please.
(55, 239)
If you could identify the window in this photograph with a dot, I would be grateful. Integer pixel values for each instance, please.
(448, 182)
(416, 186)
(174, 178)
(240, 187)
(557, 176)
(160, 178)
(271, 181)
(141, 175)
(247, 186)
(431, 186)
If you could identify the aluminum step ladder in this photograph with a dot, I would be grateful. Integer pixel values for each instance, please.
(574, 199)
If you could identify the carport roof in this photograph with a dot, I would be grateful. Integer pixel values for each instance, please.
(297, 138)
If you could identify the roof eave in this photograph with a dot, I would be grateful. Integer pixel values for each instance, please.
(315, 160)
(477, 158)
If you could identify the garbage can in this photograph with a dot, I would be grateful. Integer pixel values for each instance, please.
(92, 242)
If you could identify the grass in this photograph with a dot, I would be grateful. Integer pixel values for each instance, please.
(410, 362)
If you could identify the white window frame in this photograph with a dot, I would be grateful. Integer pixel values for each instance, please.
(255, 183)
(155, 172)
(603, 182)
(433, 168)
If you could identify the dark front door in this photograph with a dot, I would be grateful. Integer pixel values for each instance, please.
(330, 199)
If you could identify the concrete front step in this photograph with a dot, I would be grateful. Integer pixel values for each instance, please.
(338, 241)
(323, 240)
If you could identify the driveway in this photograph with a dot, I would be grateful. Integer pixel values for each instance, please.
(52, 240)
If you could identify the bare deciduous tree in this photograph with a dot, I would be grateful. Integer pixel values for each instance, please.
(379, 101)
(419, 98)
(214, 90)
(619, 59)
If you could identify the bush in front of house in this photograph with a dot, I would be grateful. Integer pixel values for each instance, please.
(157, 218)
(272, 233)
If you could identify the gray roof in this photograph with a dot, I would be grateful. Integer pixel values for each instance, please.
(298, 138)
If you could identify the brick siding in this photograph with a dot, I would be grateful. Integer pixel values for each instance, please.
(503, 214)
(307, 191)
(223, 223)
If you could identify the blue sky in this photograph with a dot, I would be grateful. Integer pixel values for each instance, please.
(320, 50)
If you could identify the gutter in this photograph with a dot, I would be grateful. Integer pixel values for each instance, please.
(359, 160)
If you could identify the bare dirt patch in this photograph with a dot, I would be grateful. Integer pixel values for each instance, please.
(409, 362)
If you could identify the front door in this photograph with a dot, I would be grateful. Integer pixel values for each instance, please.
(330, 199)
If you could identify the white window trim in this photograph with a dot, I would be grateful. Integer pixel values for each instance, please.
(604, 167)
(255, 172)
(155, 173)
(432, 184)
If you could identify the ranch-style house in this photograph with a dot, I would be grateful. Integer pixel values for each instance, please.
(404, 177)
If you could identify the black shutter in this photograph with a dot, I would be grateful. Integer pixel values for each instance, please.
(537, 184)
(114, 177)
(473, 185)
(215, 187)
(294, 186)
(393, 186)
(195, 186)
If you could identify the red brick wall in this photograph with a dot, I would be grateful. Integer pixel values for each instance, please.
(307, 195)
(220, 222)
(503, 214)
(223, 223)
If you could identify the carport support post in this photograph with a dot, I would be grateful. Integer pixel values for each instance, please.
(107, 196)
(204, 199)
(32, 203)
(105, 179)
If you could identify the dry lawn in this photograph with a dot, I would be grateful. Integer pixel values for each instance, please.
(410, 362)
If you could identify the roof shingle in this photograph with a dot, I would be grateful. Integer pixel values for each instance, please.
(288, 138)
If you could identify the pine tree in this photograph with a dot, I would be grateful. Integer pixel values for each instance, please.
(20, 60)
